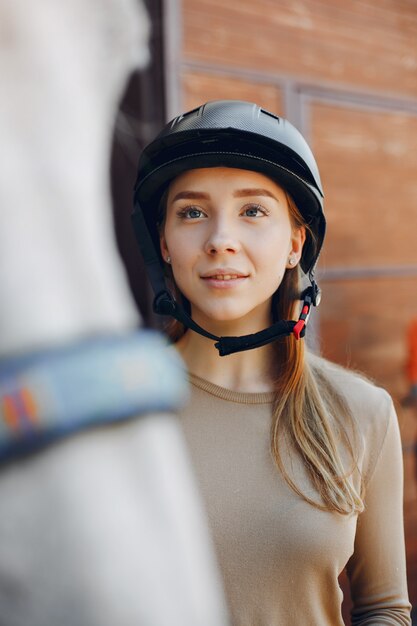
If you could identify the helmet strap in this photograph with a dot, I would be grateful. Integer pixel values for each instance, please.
(165, 304)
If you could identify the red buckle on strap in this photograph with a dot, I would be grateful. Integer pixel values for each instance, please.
(302, 321)
(298, 328)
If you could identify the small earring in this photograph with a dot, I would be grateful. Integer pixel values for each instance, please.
(291, 261)
(168, 259)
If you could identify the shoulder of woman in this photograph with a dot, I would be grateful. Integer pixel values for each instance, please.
(356, 389)
(371, 406)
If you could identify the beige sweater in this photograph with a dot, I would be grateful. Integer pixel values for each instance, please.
(280, 557)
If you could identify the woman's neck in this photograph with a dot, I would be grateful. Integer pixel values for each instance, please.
(247, 371)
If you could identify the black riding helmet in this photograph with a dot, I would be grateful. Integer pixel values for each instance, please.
(229, 133)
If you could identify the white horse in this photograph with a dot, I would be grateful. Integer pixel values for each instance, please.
(63, 67)
(105, 527)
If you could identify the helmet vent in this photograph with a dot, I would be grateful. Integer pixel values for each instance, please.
(187, 114)
(275, 117)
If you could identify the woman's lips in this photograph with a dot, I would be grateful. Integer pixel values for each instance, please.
(224, 281)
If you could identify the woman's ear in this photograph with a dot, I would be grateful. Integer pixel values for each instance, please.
(297, 242)
(164, 249)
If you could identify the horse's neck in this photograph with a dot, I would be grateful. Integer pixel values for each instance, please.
(62, 73)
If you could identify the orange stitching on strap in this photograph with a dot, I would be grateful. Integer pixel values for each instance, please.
(11, 416)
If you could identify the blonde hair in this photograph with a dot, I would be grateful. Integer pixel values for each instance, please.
(309, 415)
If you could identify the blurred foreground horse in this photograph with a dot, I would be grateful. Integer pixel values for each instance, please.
(100, 522)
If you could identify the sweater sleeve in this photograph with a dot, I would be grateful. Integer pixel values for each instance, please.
(377, 569)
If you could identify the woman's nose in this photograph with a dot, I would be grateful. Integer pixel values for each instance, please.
(222, 239)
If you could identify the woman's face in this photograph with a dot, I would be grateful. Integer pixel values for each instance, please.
(229, 236)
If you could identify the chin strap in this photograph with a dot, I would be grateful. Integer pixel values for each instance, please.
(164, 304)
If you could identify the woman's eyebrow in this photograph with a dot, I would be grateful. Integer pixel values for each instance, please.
(191, 195)
(242, 193)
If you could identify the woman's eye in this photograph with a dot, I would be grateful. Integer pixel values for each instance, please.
(191, 213)
(254, 210)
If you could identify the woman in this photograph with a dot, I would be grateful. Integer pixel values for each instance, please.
(299, 461)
